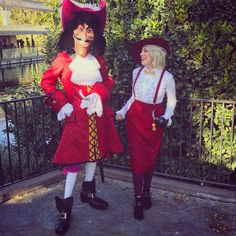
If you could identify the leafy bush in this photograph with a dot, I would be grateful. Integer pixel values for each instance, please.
(202, 38)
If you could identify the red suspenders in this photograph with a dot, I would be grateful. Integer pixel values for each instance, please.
(156, 93)
(158, 85)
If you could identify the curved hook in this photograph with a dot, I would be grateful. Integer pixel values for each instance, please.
(153, 115)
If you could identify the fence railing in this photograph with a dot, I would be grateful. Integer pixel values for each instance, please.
(29, 134)
(200, 146)
(12, 55)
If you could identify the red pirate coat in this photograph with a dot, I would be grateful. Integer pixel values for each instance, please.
(74, 144)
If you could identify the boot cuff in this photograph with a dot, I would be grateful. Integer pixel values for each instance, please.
(64, 205)
(89, 186)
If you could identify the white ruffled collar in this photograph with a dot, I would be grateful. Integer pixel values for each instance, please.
(85, 71)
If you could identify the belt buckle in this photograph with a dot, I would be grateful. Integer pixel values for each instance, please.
(63, 215)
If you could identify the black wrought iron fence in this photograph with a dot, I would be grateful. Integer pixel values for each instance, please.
(199, 146)
(29, 134)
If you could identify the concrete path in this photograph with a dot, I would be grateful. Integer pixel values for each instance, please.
(173, 213)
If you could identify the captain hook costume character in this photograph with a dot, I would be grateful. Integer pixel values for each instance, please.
(89, 132)
(146, 116)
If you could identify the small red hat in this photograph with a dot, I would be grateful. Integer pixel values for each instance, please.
(71, 8)
(137, 47)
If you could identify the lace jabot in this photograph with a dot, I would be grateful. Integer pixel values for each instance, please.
(85, 71)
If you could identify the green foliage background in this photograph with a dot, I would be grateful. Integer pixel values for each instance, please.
(202, 35)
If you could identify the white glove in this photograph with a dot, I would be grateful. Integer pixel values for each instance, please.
(66, 110)
(93, 104)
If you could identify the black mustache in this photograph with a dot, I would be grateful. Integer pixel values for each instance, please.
(86, 41)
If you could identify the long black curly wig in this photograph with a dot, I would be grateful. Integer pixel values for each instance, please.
(66, 40)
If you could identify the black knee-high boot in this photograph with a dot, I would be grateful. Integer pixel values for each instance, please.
(147, 201)
(146, 194)
(138, 208)
(64, 206)
(87, 194)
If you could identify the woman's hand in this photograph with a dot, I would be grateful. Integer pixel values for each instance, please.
(161, 122)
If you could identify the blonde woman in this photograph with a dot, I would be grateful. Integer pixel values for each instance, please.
(146, 116)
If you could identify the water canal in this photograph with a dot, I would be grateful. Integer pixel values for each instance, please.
(15, 75)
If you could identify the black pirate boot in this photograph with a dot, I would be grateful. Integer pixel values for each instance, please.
(87, 194)
(147, 201)
(138, 208)
(64, 206)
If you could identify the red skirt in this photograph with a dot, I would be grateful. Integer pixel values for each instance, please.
(144, 143)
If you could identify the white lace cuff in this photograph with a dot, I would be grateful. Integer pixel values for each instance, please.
(66, 110)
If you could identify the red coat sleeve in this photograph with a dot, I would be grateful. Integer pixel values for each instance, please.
(49, 83)
(103, 89)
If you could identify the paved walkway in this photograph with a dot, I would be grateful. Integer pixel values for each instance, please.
(173, 213)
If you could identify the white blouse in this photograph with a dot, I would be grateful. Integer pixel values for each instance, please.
(145, 89)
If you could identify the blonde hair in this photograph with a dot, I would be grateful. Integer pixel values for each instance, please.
(158, 55)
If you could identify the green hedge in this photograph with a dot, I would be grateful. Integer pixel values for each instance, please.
(201, 33)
